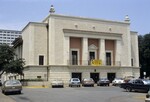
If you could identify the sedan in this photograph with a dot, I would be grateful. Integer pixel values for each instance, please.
(11, 86)
(57, 83)
(136, 85)
(74, 82)
(0, 82)
(103, 82)
(88, 82)
(117, 81)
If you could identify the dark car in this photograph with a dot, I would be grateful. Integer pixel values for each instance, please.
(136, 85)
(11, 86)
(103, 82)
(88, 82)
(0, 82)
(74, 82)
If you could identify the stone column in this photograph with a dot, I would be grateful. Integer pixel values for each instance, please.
(118, 53)
(102, 55)
(85, 51)
(67, 50)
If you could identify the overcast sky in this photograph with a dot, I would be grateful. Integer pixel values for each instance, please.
(15, 14)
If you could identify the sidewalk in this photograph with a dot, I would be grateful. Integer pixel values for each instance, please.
(4, 98)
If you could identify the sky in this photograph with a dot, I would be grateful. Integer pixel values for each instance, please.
(15, 14)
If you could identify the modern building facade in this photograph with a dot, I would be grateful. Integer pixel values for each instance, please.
(61, 47)
(8, 36)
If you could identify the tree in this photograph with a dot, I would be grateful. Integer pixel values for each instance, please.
(8, 62)
(144, 53)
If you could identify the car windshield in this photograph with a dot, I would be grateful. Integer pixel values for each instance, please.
(146, 81)
(12, 82)
(75, 79)
(88, 79)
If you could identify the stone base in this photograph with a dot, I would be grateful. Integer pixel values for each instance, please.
(65, 72)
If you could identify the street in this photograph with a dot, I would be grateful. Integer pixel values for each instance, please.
(83, 94)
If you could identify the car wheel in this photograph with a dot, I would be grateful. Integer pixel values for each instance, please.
(4, 92)
(19, 92)
(147, 96)
(128, 89)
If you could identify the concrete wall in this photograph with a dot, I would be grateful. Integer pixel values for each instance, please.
(134, 49)
(34, 43)
(65, 72)
(91, 28)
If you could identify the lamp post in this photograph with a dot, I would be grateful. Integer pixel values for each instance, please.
(144, 73)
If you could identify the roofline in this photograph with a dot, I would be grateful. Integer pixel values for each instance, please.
(9, 30)
(84, 18)
(134, 31)
(33, 23)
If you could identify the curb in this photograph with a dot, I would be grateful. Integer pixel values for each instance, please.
(35, 87)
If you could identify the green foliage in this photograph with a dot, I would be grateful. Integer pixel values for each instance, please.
(8, 63)
(144, 53)
(35, 80)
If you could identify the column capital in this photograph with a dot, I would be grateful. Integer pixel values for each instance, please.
(102, 38)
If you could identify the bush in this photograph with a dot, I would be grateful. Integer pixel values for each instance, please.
(28, 80)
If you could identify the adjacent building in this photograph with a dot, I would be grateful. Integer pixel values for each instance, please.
(8, 36)
(62, 47)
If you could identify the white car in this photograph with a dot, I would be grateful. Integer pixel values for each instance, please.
(117, 81)
(74, 82)
(57, 83)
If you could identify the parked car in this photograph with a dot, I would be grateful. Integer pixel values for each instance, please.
(128, 78)
(57, 83)
(0, 82)
(117, 81)
(103, 82)
(136, 85)
(74, 82)
(147, 99)
(88, 82)
(11, 86)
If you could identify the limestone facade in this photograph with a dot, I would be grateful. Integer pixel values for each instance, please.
(63, 46)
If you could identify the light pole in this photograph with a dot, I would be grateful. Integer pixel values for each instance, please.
(144, 73)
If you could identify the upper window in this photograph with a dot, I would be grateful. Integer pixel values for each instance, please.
(108, 58)
(41, 60)
(74, 55)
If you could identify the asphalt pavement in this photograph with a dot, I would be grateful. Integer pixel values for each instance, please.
(4, 98)
(76, 94)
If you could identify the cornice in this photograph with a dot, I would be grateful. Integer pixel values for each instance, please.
(91, 32)
(84, 18)
(39, 23)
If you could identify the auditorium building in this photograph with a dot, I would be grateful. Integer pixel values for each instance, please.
(62, 47)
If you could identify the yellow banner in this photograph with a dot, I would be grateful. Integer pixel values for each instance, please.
(96, 62)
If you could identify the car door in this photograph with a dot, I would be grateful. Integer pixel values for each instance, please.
(139, 85)
(136, 85)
